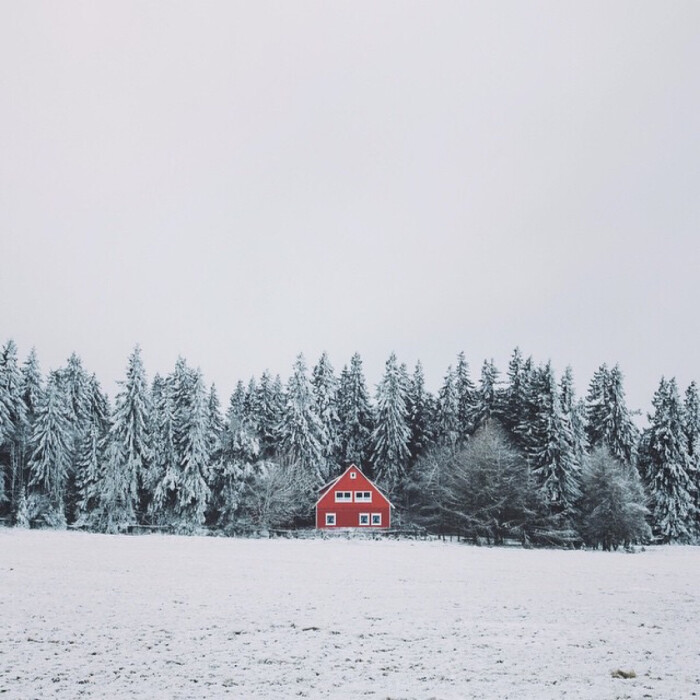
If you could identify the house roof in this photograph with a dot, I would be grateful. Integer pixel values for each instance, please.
(327, 487)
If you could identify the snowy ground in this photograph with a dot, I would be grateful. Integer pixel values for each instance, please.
(156, 616)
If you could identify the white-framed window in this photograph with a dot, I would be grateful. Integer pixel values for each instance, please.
(364, 518)
(376, 519)
(353, 475)
(363, 496)
(330, 518)
(343, 496)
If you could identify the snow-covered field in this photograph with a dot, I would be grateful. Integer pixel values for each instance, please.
(173, 617)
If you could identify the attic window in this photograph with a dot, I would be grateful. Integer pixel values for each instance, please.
(343, 496)
(363, 496)
(353, 475)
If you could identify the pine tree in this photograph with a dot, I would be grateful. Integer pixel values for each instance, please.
(573, 413)
(522, 397)
(325, 390)
(215, 425)
(466, 398)
(193, 443)
(130, 450)
(609, 420)
(421, 415)
(391, 434)
(550, 447)
(74, 380)
(301, 433)
(486, 398)
(270, 405)
(512, 394)
(32, 392)
(449, 424)
(240, 456)
(90, 459)
(355, 416)
(163, 469)
(666, 467)
(50, 461)
(13, 425)
(691, 427)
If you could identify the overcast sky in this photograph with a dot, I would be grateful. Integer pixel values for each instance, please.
(241, 182)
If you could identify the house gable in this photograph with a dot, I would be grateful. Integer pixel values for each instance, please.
(352, 501)
(347, 482)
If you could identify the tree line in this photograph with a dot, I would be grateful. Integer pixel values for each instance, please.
(490, 459)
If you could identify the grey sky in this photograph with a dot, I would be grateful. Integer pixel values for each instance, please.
(239, 182)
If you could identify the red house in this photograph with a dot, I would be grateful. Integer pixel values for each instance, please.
(352, 500)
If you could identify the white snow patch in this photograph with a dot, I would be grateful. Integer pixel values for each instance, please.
(188, 617)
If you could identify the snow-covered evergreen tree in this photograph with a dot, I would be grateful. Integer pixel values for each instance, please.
(466, 399)
(90, 459)
(301, 432)
(51, 447)
(609, 420)
(325, 389)
(573, 413)
(74, 380)
(486, 403)
(216, 425)
(193, 442)
(666, 467)
(421, 415)
(13, 425)
(550, 446)
(355, 416)
(130, 451)
(239, 463)
(269, 407)
(391, 435)
(31, 389)
(181, 491)
(163, 444)
(691, 425)
(449, 425)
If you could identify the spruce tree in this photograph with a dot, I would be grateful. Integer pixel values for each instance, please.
(163, 474)
(90, 459)
(325, 389)
(512, 394)
(522, 400)
(50, 460)
(74, 380)
(486, 397)
(421, 415)
(391, 434)
(609, 421)
(13, 425)
(31, 392)
(301, 432)
(449, 424)
(666, 467)
(270, 405)
(573, 413)
(550, 447)
(466, 398)
(692, 434)
(131, 452)
(355, 416)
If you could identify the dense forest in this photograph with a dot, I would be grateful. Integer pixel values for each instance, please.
(491, 459)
